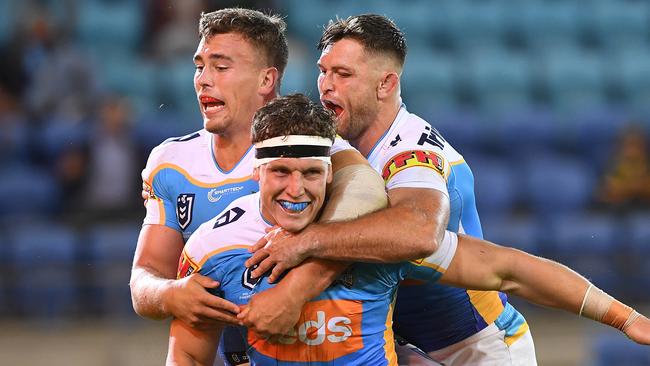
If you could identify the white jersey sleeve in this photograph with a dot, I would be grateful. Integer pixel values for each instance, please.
(340, 145)
(413, 166)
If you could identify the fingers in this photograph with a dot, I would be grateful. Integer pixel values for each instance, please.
(277, 271)
(205, 281)
(256, 258)
(263, 267)
(259, 245)
(221, 305)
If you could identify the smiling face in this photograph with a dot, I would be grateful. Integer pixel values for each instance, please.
(347, 84)
(292, 191)
(228, 81)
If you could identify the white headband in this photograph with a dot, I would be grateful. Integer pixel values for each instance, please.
(292, 146)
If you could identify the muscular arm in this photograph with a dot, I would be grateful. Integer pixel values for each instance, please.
(155, 292)
(189, 346)
(482, 265)
(411, 227)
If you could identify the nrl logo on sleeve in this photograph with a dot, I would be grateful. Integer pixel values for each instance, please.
(184, 206)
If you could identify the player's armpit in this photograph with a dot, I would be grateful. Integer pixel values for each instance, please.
(189, 346)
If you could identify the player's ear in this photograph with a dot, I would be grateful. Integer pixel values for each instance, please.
(269, 79)
(388, 85)
(256, 174)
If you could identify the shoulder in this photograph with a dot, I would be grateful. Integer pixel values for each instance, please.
(178, 150)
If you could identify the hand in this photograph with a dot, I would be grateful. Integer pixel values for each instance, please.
(188, 300)
(271, 314)
(639, 330)
(279, 250)
(145, 193)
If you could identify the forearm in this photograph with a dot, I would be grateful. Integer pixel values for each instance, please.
(147, 293)
(311, 278)
(377, 237)
(545, 282)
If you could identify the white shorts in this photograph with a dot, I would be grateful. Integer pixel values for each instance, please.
(409, 355)
(488, 348)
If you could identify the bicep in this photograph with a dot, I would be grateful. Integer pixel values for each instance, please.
(159, 249)
(187, 344)
(478, 265)
(430, 203)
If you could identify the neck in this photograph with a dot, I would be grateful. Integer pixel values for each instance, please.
(376, 129)
(229, 148)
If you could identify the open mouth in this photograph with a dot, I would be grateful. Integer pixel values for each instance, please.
(293, 207)
(337, 109)
(210, 104)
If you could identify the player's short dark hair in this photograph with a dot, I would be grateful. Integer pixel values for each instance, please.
(265, 32)
(377, 34)
(294, 114)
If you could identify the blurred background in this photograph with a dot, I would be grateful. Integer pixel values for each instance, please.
(549, 102)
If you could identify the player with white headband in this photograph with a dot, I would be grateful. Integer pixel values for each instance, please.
(349, 323)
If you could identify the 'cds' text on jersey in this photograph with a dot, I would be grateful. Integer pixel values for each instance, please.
(348, 324)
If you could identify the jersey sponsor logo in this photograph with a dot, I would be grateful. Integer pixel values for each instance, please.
(327, 330)
(215, 194)
(185, 266)
(228, 217)
(184, 208)
(431, 136)
(409, 159)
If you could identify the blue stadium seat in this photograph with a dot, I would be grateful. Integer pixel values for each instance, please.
(636, 241)
(25, 190)
(106, 24)
(428, 81)
(110, 254)
(574, 78)
(476, 24)
(496, 187)
(613, 348)
(514, 231)
(44, 261)
(546, 24)
(619, 24)
(588, 244)
(502, 80)
(59, 135)
(175, 89)
(555, 183)
(519, 130)
(632, 73)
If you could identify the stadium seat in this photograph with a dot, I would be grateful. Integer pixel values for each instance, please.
(519, 232)
(102, 24)
(574, 78)
(110, 254)
(619, 25)
(428, 81)
(632, 73)
(25, 190)
(555, 183)
(613, 348)
(495, 186)
(502, 80)
(44, 267)
(588, 244)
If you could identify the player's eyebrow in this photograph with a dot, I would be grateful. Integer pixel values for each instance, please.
(213, 57)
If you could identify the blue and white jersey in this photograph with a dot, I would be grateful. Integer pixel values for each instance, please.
(348, 324)
(432, 316)
(186, 185)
